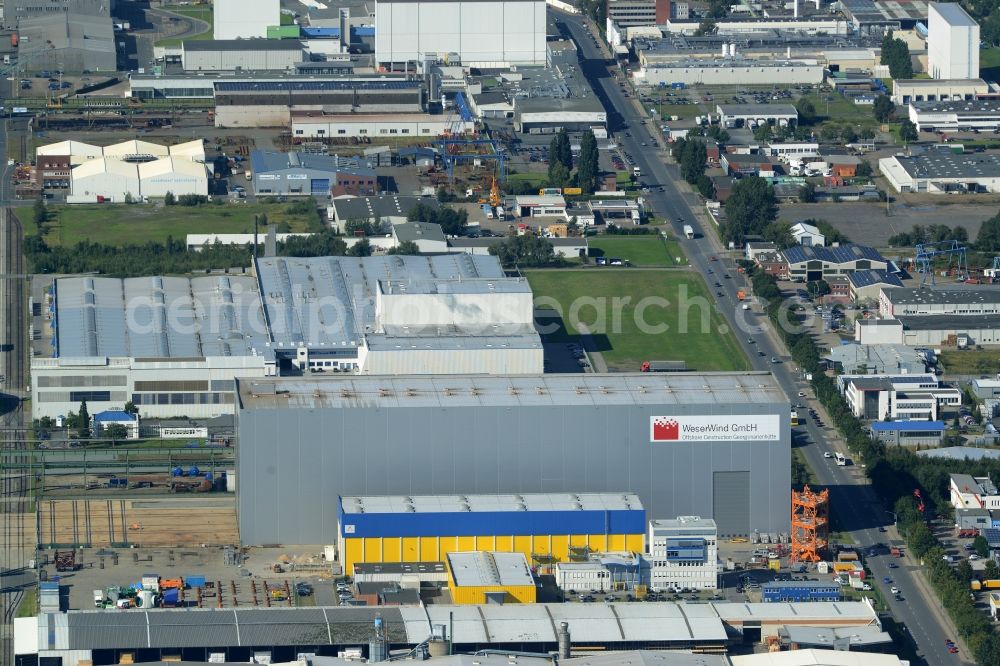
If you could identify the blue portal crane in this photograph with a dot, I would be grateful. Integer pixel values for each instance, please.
(928, 252)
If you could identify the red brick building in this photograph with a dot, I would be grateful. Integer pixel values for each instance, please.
(52, 171)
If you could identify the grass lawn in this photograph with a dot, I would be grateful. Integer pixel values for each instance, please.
(840, 108)
(971, 362)
(682, 111)
(640, 250)
(989, 63)
(618, 294)
(29, 604)
(201, 12)
(536, 178)
(136, 224)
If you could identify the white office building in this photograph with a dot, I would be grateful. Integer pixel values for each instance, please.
(245, 19)
(901, 397)
(973, 492)
(952, 42)
(956, 115)
(683, 552)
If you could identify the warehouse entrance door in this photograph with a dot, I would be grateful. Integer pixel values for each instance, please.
(731, 503)
(320, 187)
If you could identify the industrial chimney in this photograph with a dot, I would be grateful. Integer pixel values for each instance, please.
(564, 642)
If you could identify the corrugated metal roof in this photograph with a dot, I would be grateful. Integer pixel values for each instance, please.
(479, 568)
(518, 623)
(856, 611)
(159, 317)
(722, 388)
(218, 627)
(292, 288)
(597, 623)
(491, 503)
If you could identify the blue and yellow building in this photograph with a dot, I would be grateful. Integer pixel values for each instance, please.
(545, 528)
(482, 577)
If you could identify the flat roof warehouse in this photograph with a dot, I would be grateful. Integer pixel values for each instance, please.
(158, 317)
(532, 390)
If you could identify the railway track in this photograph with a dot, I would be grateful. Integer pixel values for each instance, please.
(18, 524)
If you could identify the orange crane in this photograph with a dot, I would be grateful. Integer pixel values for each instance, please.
(495, 193)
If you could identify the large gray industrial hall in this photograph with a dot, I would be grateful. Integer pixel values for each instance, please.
(715, 445)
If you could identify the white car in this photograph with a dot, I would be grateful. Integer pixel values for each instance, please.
(802, 394)
(974, 557)
(894, 589)
(827, 454)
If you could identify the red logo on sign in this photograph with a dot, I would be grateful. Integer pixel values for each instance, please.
(666, 430)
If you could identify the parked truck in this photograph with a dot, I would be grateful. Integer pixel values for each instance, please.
(663, 366)
(689, 231)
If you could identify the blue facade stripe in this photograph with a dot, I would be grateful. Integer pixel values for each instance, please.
(482, 523)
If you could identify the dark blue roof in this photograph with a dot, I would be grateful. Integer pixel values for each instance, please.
(320, 32)
(281, 86)
(834, 255)
(908, 426)
(868, 278)
(363, 31)
(113, 416)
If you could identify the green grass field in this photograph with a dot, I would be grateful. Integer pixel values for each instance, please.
(29, 603)
(201, 12)
(970, 362)
(989, 63)
(639, 250)
(839, 107)
(136, 224)
(682, 111)
(706, 344)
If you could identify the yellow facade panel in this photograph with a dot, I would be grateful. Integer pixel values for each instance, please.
(560, 547)
(429, 551)
(373, 550)
(411, 549)
(354, 552)
(476, 594)
(391, 549)
(433, 549)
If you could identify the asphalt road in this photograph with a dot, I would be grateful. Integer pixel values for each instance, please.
(858, 510)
